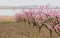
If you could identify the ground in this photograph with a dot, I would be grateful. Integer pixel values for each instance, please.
(20, 30)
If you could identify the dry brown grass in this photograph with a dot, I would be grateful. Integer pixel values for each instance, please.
(7, 18)
(14, 30)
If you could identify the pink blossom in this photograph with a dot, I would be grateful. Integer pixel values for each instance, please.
(55, 27)
(39, 16)
(58, 19)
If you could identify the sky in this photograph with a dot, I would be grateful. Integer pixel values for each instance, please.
(25, 3)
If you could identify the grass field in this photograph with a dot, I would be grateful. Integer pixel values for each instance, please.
(20, 30)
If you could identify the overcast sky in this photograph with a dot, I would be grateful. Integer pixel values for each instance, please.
(25, 3)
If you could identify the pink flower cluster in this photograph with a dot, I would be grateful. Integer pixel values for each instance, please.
(49, 16)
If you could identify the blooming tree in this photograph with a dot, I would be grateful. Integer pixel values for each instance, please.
(48, 17)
